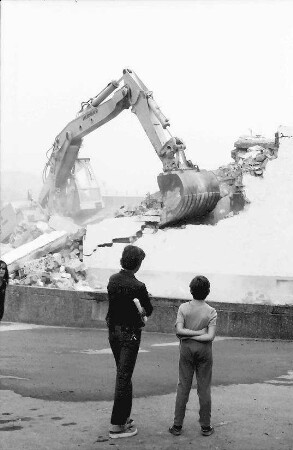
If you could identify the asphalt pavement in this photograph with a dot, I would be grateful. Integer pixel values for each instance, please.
(57, 388)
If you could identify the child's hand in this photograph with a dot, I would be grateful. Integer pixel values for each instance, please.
(180, 336)
(198, 333)
(203, 331)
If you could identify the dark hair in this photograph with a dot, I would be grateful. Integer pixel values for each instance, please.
(199, 287)
(6, 274)
(132, 257)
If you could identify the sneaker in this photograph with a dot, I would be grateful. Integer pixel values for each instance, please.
(129, 423)
(176, 430)
(124, 432)
(207, 431)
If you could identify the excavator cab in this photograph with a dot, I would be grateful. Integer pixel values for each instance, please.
(87, 190)
(80, 195)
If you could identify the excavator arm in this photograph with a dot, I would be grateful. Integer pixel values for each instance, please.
(186, 191)
(169, 149)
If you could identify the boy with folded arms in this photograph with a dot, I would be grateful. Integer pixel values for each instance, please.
(196, 328)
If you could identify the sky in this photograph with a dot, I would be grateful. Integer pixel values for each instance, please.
(216, 68)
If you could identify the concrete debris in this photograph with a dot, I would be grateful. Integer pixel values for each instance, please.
(22, 222)
(149, 209)
(122, 229)
(42, 245)
(251, 155)
(63, 269)
(23, 233)
(8, 221)
(254, 159)
(247, 141)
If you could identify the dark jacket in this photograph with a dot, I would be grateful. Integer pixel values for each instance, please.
(122, 288)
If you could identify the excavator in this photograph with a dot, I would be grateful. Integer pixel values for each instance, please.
(187, 192)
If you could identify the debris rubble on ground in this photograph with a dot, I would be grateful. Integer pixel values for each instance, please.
(25, 232)
(149, 210)
(62, 267)
(252, 153)
(22, 223)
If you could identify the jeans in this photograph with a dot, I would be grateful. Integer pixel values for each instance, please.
(194, 357)
(124, 343)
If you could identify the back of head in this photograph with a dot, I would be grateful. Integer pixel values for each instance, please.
(199, 287)
(132, 257)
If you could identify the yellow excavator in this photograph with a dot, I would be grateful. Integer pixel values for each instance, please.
(69, 183)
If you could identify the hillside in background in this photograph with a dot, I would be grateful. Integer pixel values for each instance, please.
(15, 185)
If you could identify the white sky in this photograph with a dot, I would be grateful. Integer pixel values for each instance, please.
(216, 68)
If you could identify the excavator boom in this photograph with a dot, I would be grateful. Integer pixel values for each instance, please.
(187, 192)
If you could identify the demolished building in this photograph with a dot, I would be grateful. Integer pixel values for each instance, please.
(49, 252)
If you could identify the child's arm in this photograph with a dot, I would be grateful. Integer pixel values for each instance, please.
(206, 337)
(185, 332)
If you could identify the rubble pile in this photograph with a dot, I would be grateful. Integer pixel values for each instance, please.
(20, 223)
(63, 270)
(230, 179)
(252, 153)
(150, 208)
(26, 232)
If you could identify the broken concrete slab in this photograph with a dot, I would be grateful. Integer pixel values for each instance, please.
(48, 242)
(119, 229)
(24, 232)
(245, 142)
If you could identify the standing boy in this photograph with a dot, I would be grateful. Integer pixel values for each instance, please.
(196, 328)
(124, 322)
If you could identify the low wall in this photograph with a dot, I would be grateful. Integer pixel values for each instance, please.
(227, 288)
(88, 309)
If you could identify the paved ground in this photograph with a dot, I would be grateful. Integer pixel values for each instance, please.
(57, 388)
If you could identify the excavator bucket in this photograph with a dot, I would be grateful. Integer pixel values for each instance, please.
(187, 194)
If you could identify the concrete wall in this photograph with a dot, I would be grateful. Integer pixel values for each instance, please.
(232, 288)
(88, 309)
